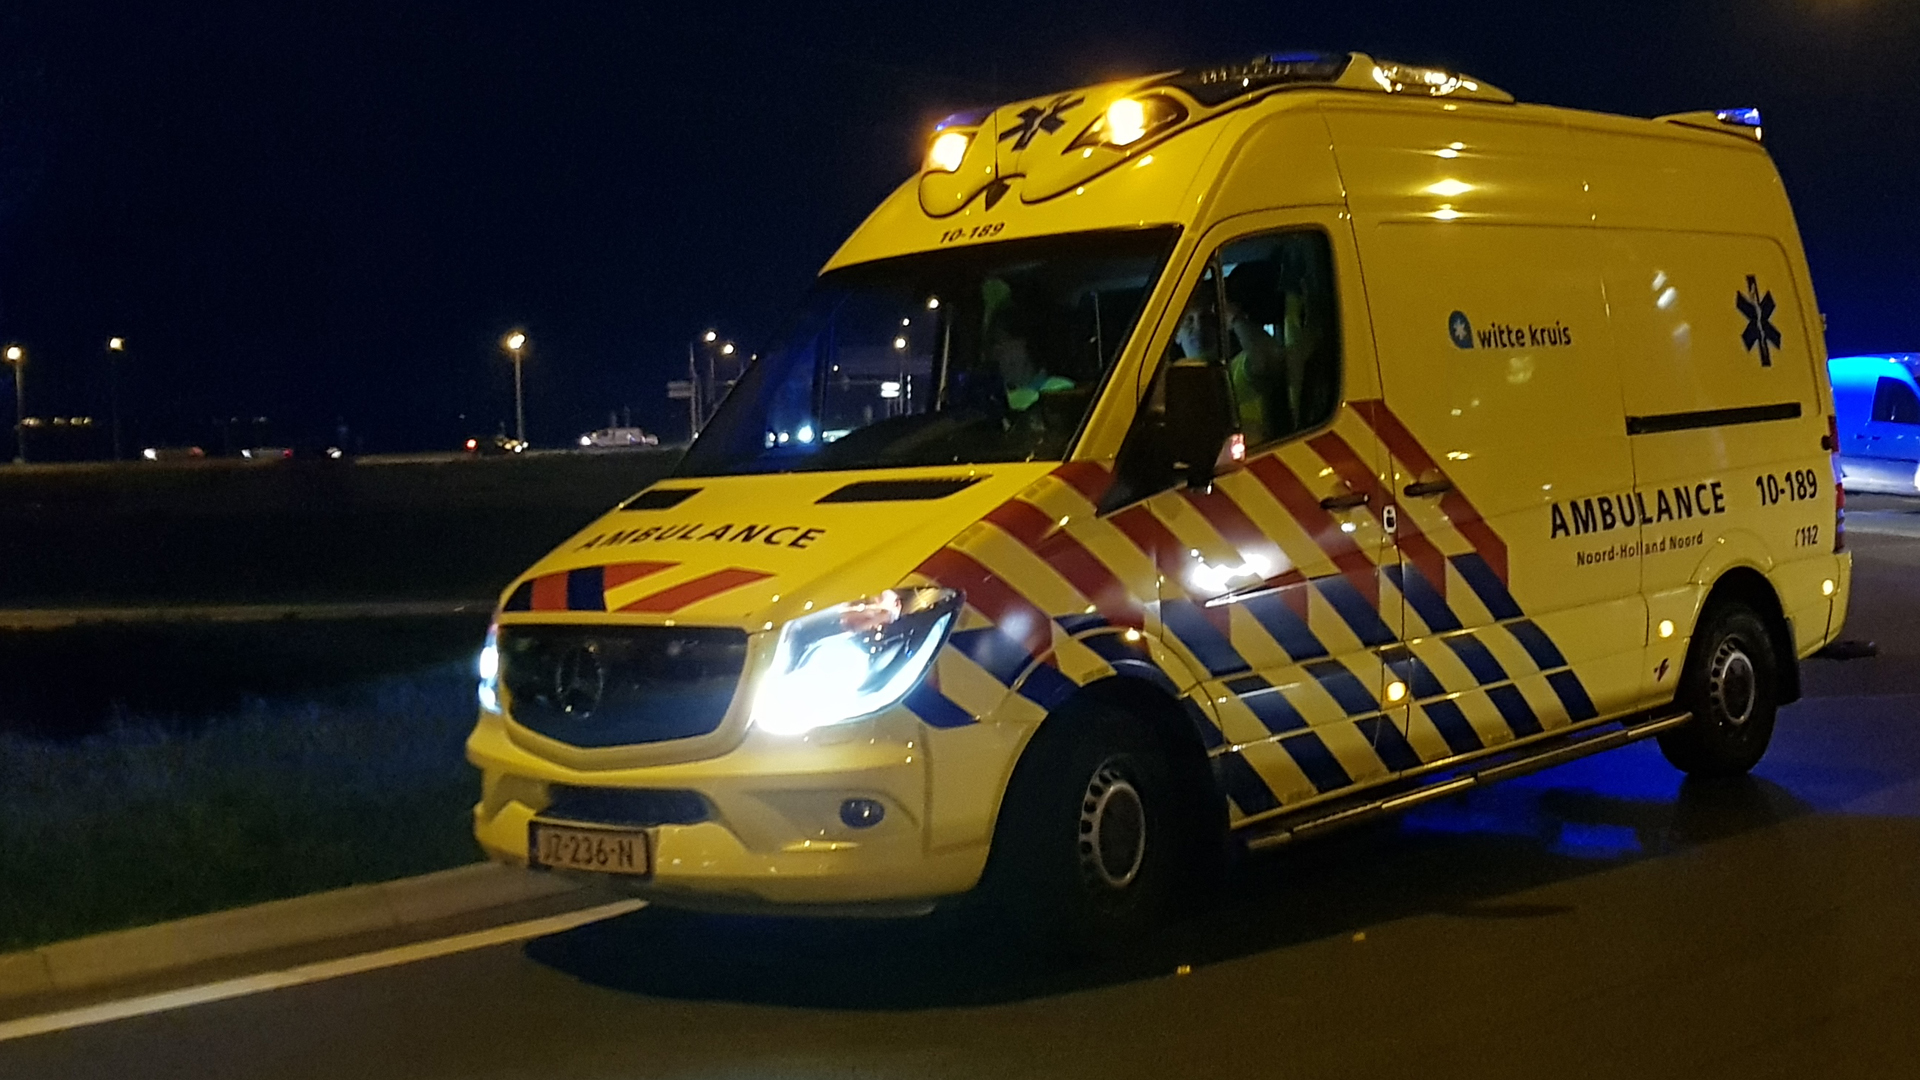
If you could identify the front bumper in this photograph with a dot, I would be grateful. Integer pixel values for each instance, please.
(772, 834)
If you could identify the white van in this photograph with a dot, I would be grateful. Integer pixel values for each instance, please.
(1877, 400)
(618, 438)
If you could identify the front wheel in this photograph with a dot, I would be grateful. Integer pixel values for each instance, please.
(1092, 845)
(1731, 685)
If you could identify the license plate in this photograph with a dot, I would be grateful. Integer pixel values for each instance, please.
(605, 851)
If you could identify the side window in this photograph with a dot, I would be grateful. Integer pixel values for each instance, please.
(1894, 402)
(1265, 307)
(1282, 333)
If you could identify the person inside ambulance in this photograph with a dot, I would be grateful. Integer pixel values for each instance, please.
(1011, 332)
(1263, 370)
(1197, 336)
(1294, 304)
(1275, 313)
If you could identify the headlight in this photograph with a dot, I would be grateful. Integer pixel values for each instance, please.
(488, 668)
(852, 660)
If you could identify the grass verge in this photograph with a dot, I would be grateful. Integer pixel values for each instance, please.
(154, 819)
(81, 680)
(142, 534)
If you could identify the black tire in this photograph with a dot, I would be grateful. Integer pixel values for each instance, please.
(1731, 685)
(1096, 839)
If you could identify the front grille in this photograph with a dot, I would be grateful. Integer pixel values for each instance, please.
(625, 806)
(618, 686)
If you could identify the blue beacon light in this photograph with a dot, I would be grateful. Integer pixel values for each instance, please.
(965, 118)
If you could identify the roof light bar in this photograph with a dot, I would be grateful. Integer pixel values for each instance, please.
(1220, 83)
(1306, 56)
(1742, 123)
(1405, 78)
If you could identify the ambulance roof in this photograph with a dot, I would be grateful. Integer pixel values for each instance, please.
(1143, 145)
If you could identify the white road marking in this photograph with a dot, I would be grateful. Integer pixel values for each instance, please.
(1883, 522)
(108, 1012)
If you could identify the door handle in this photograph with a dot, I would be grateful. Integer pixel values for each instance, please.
(1428, 487)
(1344, 502)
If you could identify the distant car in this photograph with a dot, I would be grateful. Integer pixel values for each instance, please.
(494, 445)
(172, 453)
(1876, 400)
(267, 453)
(613, 437)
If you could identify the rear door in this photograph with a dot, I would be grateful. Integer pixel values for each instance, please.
(1718, 373)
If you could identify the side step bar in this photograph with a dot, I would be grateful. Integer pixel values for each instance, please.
(1318, 820)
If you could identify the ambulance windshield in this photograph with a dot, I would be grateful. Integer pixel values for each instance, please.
(987, 353)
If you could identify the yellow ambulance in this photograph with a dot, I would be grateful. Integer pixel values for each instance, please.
(1187, 464)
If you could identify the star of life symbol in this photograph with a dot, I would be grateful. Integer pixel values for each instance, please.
(1460, 330)
(1759, 312)
(1034, 120)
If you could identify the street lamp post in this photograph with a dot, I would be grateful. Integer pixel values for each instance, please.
(515, 342)
(713, 380)
(17, 358)
(705, 393)
(115, 347)
(697, 404)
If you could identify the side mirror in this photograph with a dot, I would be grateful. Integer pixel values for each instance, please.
(1199, 417)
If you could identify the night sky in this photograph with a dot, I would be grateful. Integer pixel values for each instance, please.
(332, 212)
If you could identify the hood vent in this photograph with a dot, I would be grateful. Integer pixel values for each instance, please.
(872, 491)
(660, 499)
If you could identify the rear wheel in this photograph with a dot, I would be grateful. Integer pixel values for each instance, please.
(1095, 837)
(1731, 686)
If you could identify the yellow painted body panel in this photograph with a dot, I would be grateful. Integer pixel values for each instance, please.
(1517, 288)
(809, 550)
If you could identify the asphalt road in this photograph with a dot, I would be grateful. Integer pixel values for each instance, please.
(1601, 919)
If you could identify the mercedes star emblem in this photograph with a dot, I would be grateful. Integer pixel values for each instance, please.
(579, 679)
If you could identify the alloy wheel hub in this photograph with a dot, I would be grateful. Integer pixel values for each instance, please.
(1113, 830)
(1732, 685)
